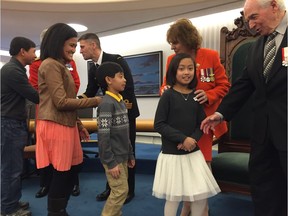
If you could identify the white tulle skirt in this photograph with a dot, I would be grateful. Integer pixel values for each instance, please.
(183, 178)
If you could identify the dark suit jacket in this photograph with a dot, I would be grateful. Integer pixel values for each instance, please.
(269, 99)
(128, 93)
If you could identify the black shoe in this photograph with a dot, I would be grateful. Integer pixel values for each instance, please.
(103, 196)
(42, 192)
(129, 198)
(76, 190)
(23, 205)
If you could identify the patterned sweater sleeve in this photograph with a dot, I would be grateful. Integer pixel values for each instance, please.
(105, 111)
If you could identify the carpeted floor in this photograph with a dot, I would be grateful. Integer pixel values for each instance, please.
(92, 181)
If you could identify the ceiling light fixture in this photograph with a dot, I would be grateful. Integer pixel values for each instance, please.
(78, 27)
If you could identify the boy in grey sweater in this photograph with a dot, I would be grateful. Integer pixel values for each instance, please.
(116, 153)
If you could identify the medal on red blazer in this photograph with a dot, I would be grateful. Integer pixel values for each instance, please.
(285, 56)
(207, 75)
(211, 74)
(202, 78)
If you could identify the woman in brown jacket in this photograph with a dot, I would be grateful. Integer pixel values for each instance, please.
(58, 141)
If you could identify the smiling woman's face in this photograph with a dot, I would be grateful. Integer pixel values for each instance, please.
(69, 49)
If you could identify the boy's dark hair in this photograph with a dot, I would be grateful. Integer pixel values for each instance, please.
(107, 69)
(19, 43)
(172, 70)
(54, 39)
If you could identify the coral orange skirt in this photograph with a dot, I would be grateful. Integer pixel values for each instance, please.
(58, 145)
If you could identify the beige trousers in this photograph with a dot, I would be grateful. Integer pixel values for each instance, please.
(119, 191)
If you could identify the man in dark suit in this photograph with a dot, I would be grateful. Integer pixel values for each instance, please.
(90, 48)
(268, 158)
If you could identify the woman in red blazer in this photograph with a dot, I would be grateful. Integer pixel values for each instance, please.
(212, 85)
(33, 73)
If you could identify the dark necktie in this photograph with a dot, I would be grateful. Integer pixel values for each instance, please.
(270, 50)
(94, 67)
(94, 70)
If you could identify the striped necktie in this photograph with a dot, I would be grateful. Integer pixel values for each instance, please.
(270, 50)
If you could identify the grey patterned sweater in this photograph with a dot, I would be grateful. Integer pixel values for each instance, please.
(113, 131)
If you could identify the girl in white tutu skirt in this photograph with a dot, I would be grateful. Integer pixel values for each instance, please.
(181, 171)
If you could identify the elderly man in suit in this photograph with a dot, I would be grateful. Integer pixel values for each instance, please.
(90, 48)
(265, 78)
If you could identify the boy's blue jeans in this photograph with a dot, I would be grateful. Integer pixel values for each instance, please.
(14, 136)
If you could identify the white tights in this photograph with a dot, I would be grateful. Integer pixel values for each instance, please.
(197, 208)
(171, 208)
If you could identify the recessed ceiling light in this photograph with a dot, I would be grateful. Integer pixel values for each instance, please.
(78, 27)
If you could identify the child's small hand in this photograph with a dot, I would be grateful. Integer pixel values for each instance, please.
(115, 172)
(131, 163)
(189, 144)
(180, 146)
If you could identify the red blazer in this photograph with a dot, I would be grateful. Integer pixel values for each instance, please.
(215, 90)
(33, 74)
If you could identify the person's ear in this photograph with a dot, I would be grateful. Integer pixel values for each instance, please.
(22, 51)
(94, 45)
(108, 80)
(274, 4)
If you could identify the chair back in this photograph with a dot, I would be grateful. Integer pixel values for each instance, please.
(234, 47)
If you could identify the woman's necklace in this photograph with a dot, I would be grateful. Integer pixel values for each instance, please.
(185, 98)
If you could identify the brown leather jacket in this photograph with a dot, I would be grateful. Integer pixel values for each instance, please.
(57, 94)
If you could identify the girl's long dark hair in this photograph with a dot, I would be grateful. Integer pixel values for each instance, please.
(173, 67)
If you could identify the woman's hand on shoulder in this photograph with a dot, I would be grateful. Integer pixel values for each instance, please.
(98, 99)
(164, 89)
(201, 96)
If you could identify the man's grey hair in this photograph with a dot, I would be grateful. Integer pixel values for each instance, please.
(265, 3)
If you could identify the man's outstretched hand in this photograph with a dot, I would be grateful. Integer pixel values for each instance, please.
(210, 122)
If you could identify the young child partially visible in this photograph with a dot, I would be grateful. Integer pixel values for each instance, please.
(116, 153)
